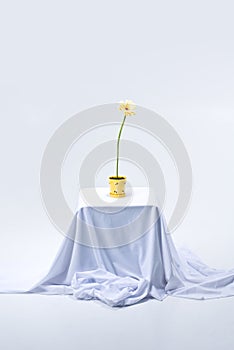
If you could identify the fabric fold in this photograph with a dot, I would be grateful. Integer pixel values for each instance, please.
(109, 288)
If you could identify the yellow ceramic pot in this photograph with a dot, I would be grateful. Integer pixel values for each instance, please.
(117, 186)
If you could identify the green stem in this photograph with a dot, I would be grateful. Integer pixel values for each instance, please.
(117, 160)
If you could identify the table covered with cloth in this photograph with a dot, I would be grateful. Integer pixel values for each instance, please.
(122, 255)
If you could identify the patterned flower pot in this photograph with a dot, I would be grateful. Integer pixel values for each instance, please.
(117, 186)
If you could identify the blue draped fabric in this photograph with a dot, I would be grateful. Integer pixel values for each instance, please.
(150, 266)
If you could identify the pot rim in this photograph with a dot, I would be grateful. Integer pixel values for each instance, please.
(117, 178)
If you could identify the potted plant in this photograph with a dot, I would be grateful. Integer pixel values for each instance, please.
(117, 182)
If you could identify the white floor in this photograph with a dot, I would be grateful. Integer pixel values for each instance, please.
(59, 322)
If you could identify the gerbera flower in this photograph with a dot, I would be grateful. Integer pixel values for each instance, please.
(127, 107)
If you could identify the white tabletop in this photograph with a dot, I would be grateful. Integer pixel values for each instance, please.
(100, 197)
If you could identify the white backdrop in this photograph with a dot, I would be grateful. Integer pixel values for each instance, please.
(60, 57)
